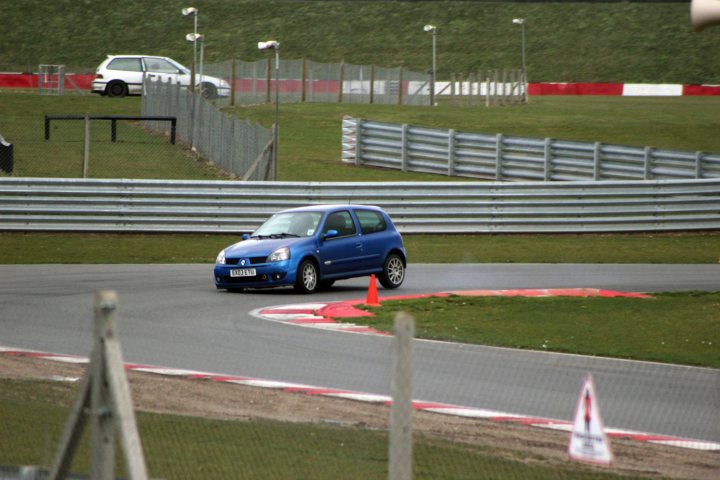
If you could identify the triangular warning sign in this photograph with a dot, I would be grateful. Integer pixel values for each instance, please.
(588, 442)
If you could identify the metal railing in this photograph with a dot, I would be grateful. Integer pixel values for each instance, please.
(501, 157)
(233, 145)
(443, 207)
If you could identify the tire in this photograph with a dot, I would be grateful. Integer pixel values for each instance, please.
(307, 277)
(209, 91)
(116, 88)
(393, 272)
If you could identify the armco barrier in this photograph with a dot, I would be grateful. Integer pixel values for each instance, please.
(502, 157)
(470, 207)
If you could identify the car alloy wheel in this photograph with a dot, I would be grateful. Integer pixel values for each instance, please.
(307, 277)
(393, 272)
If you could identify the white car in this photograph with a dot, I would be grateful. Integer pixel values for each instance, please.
(121, 75)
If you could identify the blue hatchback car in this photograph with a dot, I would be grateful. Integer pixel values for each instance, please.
(311, 247)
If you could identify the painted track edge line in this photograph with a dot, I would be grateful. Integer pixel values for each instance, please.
(432, 407)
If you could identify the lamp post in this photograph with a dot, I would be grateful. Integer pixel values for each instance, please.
(275, 45)
(433, 29)
(195, 38)
(521, 22)
(192, 11)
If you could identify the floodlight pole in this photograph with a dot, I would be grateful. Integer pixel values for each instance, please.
(433, 30)
(194, 12)
(277, 108)
(521, 22)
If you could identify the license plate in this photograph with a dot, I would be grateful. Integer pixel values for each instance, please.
(242, 272)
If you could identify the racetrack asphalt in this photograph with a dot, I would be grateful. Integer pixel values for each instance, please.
(171, 315)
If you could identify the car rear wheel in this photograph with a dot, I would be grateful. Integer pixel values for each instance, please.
(116, 88)
(393, 272)
(307, 277)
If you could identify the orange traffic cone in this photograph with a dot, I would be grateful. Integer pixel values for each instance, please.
(372, 296)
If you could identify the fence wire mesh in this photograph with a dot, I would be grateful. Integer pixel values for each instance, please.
(309, 81)
(240, 404)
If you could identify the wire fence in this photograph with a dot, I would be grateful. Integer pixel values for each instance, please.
(235, 146)
(308, 81)
(240, 404)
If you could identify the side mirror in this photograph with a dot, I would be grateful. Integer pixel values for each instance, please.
(246, 236)
(330, 234)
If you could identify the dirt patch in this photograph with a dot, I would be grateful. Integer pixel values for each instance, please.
(211, 399)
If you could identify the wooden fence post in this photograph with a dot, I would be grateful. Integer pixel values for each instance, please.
(400, 457)
(342, 81)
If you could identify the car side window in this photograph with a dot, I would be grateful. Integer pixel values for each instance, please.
(342, 222)
(160, 65)
(370, 221)
(125, 64)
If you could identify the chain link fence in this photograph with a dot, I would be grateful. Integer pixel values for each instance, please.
(308, 81)
(235, 146)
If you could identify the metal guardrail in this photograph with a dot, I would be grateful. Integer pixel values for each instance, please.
(500, 157)
(448, 207)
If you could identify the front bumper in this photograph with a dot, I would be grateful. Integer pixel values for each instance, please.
(266, 276)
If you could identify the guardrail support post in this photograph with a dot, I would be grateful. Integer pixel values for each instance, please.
(597, 173)
(647, 175)
(698, 164)
(547, 153)
(86, 149)
(498, 156)
(451, 153)
(404, 148)
(358, 141)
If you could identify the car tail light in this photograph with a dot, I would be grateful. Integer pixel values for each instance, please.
(98, 75)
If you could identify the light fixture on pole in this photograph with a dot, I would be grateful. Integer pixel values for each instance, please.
(275, 45)
(521, 22)
(192, 11)
(433, 29)
(195, 38)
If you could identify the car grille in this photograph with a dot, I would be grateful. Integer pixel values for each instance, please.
(253, 260)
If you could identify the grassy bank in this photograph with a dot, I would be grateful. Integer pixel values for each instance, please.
(565, 41)
(681, 328)
(310, 139)
(21, 248)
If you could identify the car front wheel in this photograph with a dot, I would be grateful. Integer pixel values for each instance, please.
(209, 91)
(393, 272)
(307, 277)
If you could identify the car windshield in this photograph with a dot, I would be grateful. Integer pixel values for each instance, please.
(289, 224)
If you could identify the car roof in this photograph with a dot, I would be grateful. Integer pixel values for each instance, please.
(332, 207)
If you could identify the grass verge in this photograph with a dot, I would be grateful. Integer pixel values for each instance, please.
(43, 247)
(190, 447)
(681, 328)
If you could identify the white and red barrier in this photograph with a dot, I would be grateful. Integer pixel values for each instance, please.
(84, 82)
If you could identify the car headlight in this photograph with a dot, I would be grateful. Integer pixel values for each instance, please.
(279, 255)
(220, 260)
